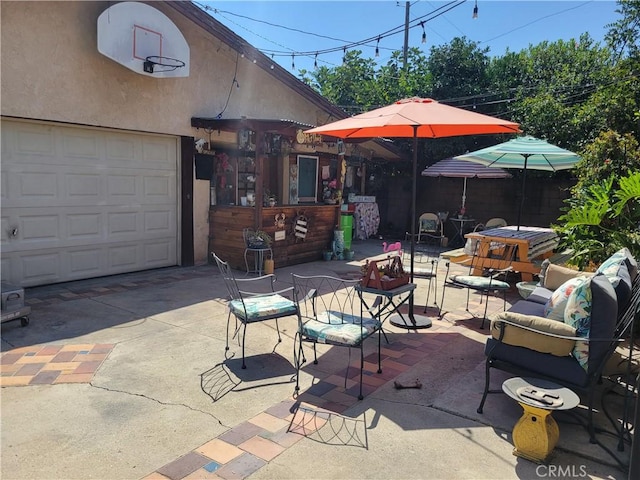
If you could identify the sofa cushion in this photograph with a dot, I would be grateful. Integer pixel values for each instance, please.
(555, 306)
(524, 360)
(556, 275)
(604, 314)
(540, 295)
(539, 342)
(616, 269)
(527, 307)
(577, 314)
(610, 265)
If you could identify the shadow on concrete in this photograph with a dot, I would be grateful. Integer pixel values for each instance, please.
(73, 309)
(262, 371)
(329, 428)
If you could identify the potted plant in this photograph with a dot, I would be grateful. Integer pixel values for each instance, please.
(258, 239)
(349, 254)
(269, 199)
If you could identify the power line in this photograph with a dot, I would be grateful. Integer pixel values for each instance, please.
(346, 44)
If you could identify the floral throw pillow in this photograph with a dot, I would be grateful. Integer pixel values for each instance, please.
(555, 307)
(577, 314)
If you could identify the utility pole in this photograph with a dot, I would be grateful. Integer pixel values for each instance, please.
(406, 35)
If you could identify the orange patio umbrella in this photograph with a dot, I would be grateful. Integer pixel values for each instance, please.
(416, 118)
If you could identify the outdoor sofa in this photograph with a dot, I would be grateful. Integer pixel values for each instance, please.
(569, 326)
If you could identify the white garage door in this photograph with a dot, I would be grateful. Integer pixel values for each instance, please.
(81, 203)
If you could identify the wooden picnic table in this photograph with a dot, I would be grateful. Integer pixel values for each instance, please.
(532, 245)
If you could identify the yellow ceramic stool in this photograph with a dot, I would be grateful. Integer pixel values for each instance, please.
(536, 433)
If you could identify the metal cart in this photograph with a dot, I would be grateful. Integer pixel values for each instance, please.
(12, 306)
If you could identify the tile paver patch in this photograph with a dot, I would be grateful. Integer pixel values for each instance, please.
(52, 364)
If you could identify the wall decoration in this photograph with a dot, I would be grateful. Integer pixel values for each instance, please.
(293, 184)
(279, 223)
(300, 227)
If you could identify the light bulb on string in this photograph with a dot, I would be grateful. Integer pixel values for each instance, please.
(315, 61)
(377, 47)
(424, 34)
(293, 61)
(475, 10)
(344, 54)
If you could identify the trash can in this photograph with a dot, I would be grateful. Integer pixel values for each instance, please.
(346, 225)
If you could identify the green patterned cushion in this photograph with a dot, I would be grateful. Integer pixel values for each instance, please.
(577, 314)
(262, 306)
(611, 265)
(555, 306)
(479, 282)
(339, 328)
(428, 225)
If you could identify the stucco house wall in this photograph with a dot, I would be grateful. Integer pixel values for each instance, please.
(52, 71)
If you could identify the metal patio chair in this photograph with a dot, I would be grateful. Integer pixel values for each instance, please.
(331, 312)
(482, 277)
(253, 300)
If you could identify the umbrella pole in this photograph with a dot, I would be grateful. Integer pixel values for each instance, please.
(524, 183)
(398, 320)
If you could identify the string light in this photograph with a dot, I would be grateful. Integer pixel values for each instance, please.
(315, 61)
(451, 4)
(424, 34)
(293, 61)
(475, 10)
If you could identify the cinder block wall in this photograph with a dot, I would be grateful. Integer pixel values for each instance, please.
(486, 198)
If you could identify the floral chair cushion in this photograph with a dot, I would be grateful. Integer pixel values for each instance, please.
(577, 314)
(259, 307)
(555, 306)
(339, 328)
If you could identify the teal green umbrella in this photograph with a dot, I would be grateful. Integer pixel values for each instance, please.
(526, 153)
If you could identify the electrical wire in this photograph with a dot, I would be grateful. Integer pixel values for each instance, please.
(347, 45)
(234, 82)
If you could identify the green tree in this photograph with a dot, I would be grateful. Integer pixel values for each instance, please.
(459, 69)
(603, 213)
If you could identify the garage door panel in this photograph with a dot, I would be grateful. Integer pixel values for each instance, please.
(35, 187)
(122, 256)
(122, 223)
(82, 145)
(159, 189)
(121, 188)
(85, 227)
(120, 148)
(33, 142)
(83, 188)
(86, 202)
(157, 254)
(158, 221)
(156, 152)
(38, 269)
(84, 263)
(38, 228)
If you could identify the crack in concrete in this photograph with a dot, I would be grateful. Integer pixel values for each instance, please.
(113, 390)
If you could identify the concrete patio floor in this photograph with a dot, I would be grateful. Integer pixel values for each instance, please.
(125, 377)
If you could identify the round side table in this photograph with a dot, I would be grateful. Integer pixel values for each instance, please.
(536, 433)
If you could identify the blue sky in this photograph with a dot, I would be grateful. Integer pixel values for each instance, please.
(500, 25)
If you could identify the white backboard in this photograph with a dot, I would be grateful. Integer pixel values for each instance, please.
(130, 32)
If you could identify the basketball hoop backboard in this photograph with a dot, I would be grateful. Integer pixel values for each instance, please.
(144, 40)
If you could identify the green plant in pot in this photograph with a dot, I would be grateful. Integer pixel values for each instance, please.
(258, 239)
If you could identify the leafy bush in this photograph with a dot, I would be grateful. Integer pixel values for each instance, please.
(603, 213)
